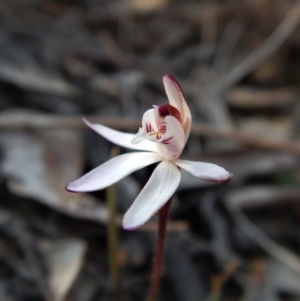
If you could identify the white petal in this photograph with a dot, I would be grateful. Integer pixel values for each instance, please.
(148, 121)
(171, 144)
(205, 171)
(120, 138)
(112, 171)
(148, 125)
(177, 100)
(159, 189)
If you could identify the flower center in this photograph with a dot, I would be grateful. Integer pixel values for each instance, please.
(155, 134)
(166, 110)
(161, 112)
(155, 129)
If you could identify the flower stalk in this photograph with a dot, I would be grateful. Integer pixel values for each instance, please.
(159, 251)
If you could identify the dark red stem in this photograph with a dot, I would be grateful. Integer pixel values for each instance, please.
(159, 251)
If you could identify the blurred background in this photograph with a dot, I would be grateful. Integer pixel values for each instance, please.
(238, 63)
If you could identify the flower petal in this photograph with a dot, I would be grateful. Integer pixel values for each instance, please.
(148, 125)
(205, 171)
(177, 100)
(112, 171)
(159, 189)
(171, 144)
(120, 138)
(148, 121)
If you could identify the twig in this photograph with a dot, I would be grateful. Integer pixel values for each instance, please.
(275, 40)
(247, 139)
(227, 44)
(43, 122)
(46, 122)
(265, 242)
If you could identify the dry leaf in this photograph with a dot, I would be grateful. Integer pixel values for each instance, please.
(64, 259)
(40, 164)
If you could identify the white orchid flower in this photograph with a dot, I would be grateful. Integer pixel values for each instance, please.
(163, 135)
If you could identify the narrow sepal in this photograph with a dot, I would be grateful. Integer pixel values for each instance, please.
(120, 138)
(205, 171)
(158, 190)
(112, 171)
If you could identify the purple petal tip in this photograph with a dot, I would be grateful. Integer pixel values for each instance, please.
(222, 180)
(69, 189)
(130, 229)
(226, 180)
(173, 80)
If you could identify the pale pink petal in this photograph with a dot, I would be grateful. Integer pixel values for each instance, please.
(171, 144)
(148, 125)
(177, 100)
(159, 189)
(205, 171)
(112, 171)
(120, 138)
(148, 121)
